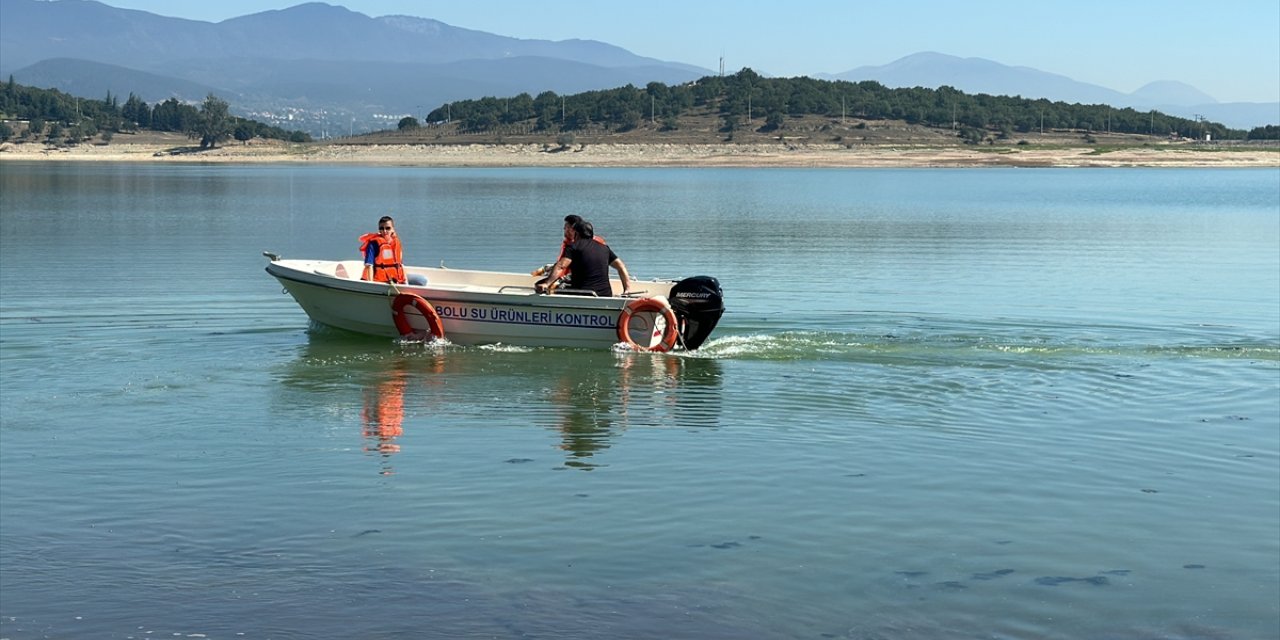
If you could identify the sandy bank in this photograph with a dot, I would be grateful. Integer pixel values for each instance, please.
(655, 155)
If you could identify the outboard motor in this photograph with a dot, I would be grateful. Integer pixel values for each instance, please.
(698, 304)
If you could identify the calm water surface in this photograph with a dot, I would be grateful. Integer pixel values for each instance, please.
(1001, 403)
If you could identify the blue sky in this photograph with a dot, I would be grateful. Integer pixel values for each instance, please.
(1229, 49)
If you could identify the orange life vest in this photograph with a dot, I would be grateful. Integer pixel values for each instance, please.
(388, 265)
(564, 244)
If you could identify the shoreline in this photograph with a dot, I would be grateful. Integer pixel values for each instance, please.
(650, 155)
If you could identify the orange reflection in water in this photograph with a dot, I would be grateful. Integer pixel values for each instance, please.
(383, 413)
(382, 416)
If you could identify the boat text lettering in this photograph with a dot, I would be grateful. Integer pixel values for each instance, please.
(525, 316)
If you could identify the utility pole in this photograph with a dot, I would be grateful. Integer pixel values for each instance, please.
(652, 117)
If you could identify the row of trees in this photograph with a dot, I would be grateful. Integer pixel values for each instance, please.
(61, 116)
(746, 97)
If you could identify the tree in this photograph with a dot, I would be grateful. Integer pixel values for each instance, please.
(480, 121)
(6, 132)
(628, 120)
(576, 118)
(81, 131)
(519, 108)
(408, 122)
(214, 124)
(1269, 132)
(244, 131)
(172, 115)
(135, 112)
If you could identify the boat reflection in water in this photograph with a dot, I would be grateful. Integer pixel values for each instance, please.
(404, 395)
(595, 405)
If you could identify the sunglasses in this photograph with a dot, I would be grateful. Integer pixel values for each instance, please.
(384, 228)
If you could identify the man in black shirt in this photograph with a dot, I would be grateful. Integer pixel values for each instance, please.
(590, 261)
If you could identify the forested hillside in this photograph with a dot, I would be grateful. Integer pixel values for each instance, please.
(60, 118)
(748, 96)
(735, 102)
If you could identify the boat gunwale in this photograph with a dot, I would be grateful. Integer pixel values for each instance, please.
(435, 295)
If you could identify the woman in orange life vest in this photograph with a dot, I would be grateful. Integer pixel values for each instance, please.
(382, 256)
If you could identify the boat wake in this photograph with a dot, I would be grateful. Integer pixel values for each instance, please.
(959, 348)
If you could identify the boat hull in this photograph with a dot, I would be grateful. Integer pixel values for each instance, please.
(475, 307)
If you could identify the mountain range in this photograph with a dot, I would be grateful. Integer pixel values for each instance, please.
(326, 69)
(977, 75)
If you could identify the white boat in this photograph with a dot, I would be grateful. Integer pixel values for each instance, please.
(488, 307)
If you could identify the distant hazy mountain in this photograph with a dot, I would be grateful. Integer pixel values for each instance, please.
(312, 57)
(977, 75)
(1171, 92)
(325, 68)
(34, 30)
(96, 80)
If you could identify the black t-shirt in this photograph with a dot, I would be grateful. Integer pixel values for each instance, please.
(589, 266)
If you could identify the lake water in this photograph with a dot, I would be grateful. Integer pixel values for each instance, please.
(984, 403)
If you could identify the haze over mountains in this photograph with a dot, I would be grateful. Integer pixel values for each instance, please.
(976, 75)
(328, 70)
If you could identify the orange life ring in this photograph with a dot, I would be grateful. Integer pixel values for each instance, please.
(669, 334)
(425, 308)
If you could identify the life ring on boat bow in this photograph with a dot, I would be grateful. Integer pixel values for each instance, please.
(657, 305)
(404, 326)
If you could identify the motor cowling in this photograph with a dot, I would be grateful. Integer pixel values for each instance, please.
(698, 304)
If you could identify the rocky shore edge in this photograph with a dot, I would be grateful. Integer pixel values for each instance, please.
(654, 155)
